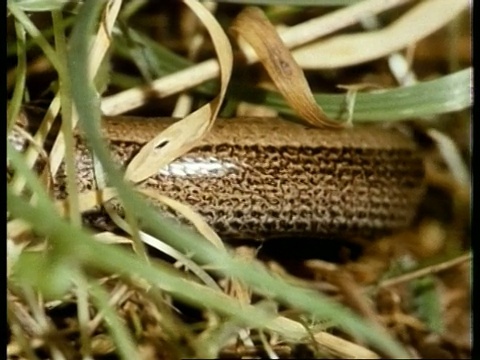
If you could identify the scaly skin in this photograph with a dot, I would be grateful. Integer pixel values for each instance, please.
(261, 178)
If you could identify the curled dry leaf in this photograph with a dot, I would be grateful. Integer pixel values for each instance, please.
(253, 26)
(352, 49)
(183, 135)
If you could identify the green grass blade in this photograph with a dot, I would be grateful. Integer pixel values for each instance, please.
(446, 94)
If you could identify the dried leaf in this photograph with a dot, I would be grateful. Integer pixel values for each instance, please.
(253, 26)
(183, 135)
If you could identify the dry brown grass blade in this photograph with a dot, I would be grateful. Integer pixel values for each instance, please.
(184, 209)
(253, 26)
(31, 154)
(429, 270)
(452, 156)
(341, 348)
(183, 135)
(345, 50)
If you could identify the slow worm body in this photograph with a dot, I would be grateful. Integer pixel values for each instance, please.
(260, 178)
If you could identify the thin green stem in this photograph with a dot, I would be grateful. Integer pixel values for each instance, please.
(21, 74)
(67, 117)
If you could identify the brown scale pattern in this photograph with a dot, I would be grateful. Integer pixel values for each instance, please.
(276, 190)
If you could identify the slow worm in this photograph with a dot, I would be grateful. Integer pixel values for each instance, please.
(261, 178)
